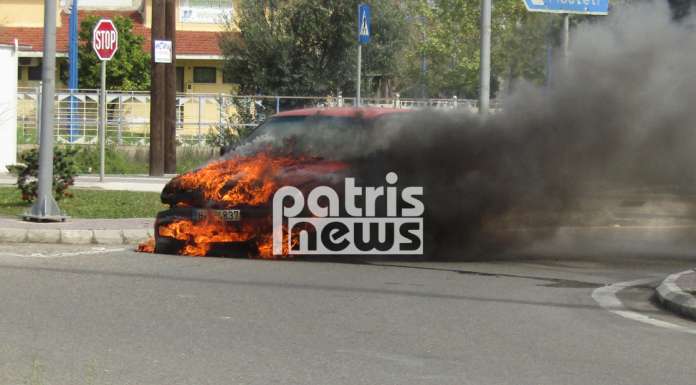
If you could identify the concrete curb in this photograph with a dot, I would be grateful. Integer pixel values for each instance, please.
(76, 236)
(674, 298)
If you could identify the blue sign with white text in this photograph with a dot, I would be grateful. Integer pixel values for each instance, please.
(364, 23)
(585, 7)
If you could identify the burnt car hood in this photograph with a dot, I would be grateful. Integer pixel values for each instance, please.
(304, 174)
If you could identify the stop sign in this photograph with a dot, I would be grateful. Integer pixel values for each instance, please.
(105, 39)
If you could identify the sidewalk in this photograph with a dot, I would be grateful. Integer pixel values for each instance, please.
(678, 293)
(87, 231)
(111, 182)
(78, 231)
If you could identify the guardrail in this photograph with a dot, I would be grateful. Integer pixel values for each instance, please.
(128, 113)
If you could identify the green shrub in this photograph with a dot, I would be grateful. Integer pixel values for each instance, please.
(27, 172)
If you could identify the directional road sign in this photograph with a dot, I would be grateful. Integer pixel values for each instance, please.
(585, 7)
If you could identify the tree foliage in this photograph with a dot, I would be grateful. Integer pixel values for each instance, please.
(307, 47)
(129, 70)
(447, 34)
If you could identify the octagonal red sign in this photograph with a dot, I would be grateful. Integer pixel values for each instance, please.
(105, 39)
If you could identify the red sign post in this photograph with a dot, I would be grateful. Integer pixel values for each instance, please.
(105, 45)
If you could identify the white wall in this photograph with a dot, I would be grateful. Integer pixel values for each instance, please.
(8, 107)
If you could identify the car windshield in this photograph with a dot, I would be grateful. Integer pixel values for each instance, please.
(315, 135)
(289, 126)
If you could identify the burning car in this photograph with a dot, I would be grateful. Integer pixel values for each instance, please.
(224, 207)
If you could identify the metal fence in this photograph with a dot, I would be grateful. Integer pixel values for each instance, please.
(128, 113)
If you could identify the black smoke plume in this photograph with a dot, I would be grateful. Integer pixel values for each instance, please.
(619, 113)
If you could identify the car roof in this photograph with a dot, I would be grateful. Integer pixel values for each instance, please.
(364, 112)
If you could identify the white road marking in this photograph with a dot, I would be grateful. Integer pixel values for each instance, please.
(92, 251)
(606, 298)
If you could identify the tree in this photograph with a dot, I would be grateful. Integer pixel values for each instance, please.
(129, 70)
(447, 34)
(308, 47)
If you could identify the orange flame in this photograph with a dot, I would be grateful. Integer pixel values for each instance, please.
(199, 236)
(147, 246)
(238, 181)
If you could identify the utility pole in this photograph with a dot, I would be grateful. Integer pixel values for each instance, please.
(485, 66)
(157, 94)
(45, 208)
(565, 38)
(170, 92)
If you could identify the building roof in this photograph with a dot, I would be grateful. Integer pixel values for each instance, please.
(187, 42)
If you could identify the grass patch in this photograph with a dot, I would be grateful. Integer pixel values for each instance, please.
(91, 203)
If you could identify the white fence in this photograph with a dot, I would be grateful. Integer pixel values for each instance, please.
(128, 113)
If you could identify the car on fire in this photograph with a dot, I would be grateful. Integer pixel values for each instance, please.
(224, 208)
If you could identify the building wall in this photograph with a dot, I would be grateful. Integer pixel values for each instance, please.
(31, 76)
(191, 84)
(24, 13)
(8, 107)
(213, 24)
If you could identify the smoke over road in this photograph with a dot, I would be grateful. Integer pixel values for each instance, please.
(618, 115)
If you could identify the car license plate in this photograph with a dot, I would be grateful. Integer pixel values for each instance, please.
(225, 215)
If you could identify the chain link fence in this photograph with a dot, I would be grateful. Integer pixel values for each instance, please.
(128, 113)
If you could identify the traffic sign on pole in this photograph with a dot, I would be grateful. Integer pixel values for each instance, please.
(363, 38)
(364, 23)
(105, 45)
(584, 7)
(105, 39)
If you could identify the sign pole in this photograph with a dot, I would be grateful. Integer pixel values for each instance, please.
(485, 65)
(357, 98)
(102, 121)
(45, 207)
(565, 38)
(105, 45)
(363, 38)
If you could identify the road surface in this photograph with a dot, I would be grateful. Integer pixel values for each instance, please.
(85, 315)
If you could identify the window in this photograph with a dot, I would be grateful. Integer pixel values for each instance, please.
(19, 73)
(35, 73)
(204, 11)
(205, 75)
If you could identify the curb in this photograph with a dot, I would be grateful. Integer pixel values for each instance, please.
(76, 237)
(674, 298)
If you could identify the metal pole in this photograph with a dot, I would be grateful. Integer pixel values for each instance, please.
(102, 121)
(484, 95)
(565, 38)
(424, 68)
(72, 82)
(45, 208)
(357, 95)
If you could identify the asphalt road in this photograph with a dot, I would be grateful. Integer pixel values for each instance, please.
(111, 316)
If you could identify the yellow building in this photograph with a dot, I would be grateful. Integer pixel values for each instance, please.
(199, 22)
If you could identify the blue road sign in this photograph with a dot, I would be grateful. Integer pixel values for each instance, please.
(364, 23)
(585, 7)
